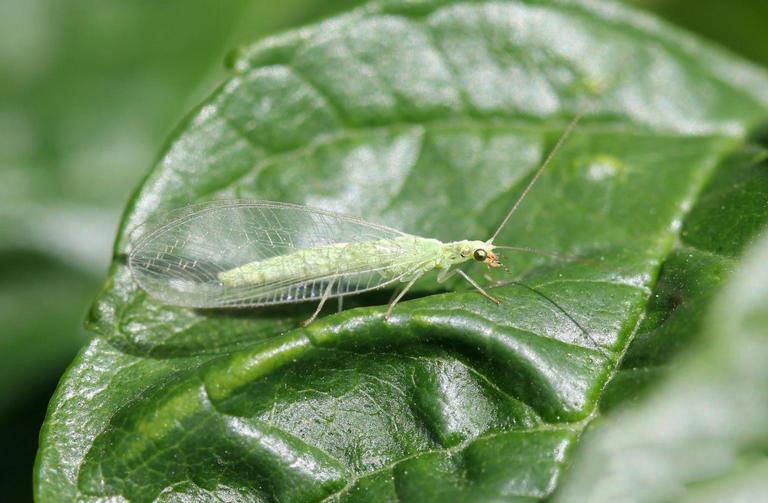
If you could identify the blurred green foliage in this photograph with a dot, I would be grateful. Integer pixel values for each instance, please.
(89, 90)
(738, 25)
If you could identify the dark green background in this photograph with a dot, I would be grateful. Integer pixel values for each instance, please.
(88, 93)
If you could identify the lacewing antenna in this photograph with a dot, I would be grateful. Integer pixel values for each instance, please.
(596, 345)
(539, 171)
(537, 251)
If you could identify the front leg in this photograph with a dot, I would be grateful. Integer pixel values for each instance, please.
(479, 288)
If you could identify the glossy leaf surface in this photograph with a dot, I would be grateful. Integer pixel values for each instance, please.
(430, 117)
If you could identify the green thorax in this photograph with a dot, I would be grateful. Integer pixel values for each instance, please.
(457, 252)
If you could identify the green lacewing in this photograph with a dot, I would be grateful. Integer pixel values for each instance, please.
(242, 253)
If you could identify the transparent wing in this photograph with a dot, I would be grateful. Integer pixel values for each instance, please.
(180, 258)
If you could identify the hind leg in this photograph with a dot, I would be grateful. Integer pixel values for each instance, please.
(325, 296)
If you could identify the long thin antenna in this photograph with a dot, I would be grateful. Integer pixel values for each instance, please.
(536, 251)
(552, 154)
(596, 345)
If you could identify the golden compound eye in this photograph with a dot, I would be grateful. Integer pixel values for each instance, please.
(480, 255)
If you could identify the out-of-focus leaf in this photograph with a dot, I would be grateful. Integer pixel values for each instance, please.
(429, 116)
(57, 293)
(738, 25)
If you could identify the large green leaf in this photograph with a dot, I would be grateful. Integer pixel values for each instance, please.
(429, 116)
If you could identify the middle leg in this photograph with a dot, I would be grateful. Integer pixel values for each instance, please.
(479, 288)
(400, 296)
